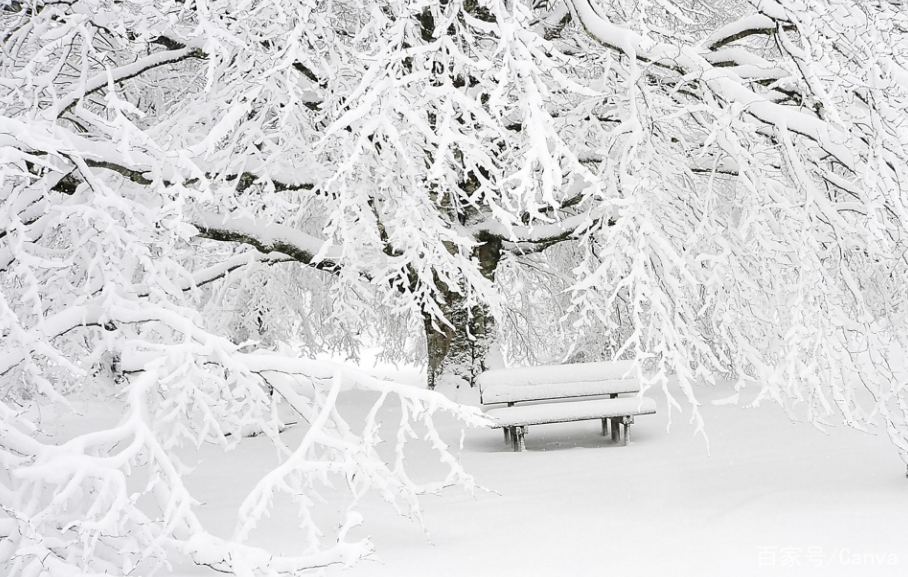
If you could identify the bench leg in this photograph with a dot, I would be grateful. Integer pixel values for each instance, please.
(507, 435)
(605, 427)
(616, 432)
(627, 421)
(517, 435)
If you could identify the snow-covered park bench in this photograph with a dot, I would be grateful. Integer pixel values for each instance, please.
(563, 393)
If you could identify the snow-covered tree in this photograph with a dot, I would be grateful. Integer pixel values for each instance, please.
(187, 186)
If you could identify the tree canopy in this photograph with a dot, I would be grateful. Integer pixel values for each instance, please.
(197, 195)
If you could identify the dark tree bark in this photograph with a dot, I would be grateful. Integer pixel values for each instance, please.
(460, 348)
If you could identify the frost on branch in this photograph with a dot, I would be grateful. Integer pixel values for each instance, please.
(74, 506)
(757, 183)
(124, 128)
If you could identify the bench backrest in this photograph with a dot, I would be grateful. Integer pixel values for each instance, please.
(557, 382)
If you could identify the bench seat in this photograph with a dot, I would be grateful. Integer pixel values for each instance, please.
(572, 411)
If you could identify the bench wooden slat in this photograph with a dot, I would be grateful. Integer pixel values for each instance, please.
(572, 411)
(492, 394)
(554, 374)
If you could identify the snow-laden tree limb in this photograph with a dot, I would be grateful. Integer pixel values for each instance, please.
(267, 238)
(189, 381)
(810, 174)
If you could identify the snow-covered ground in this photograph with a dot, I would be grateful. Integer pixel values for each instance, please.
(771, 497)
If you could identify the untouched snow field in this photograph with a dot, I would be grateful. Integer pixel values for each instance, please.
(773, 497)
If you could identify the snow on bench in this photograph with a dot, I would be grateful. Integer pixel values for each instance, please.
(564, 383)
(557, 382)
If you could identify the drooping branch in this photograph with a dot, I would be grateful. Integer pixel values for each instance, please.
(51, 328)
(725, 85)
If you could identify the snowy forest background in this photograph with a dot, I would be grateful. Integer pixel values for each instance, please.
(198, 197)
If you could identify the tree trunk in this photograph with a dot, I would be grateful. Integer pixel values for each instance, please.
(460, 348)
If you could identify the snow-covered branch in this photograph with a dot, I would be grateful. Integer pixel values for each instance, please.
(750, 25)
(205, 390)
(268, 238)
(723, 83)
(123, 73)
